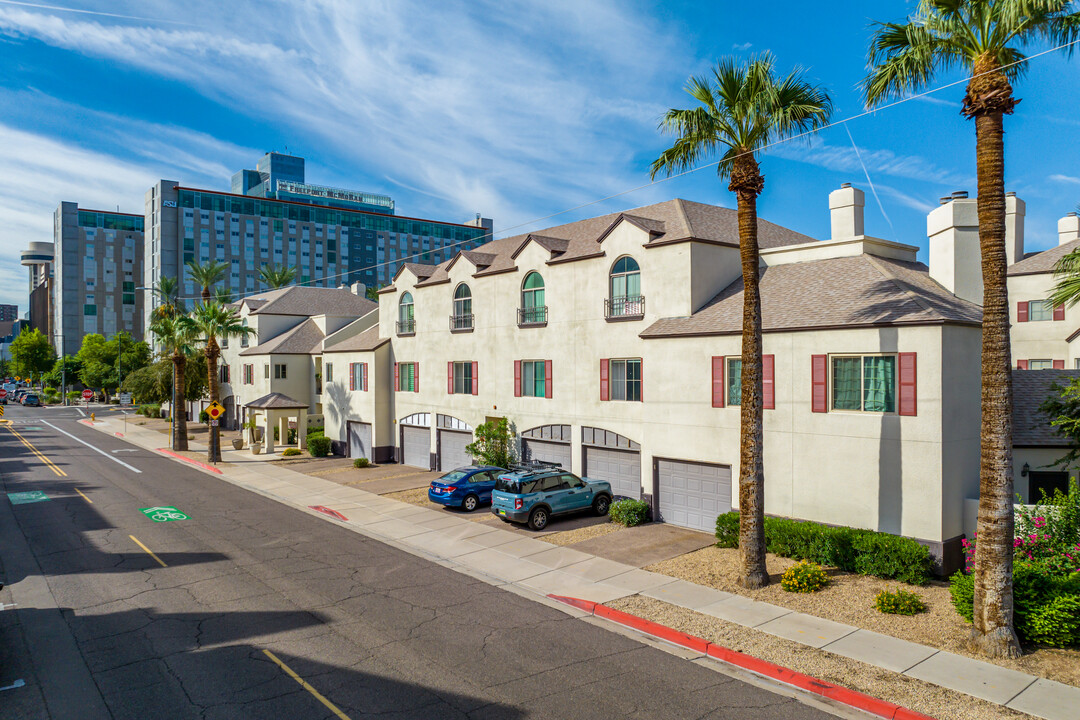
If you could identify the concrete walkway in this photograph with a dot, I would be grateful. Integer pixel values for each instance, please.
(502, 557)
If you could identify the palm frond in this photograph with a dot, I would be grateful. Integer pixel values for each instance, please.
(1066, 280)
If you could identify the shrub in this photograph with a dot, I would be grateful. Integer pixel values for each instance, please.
(291, 452)
(319, 446)
(629, 512)
(361, 463)
(1055, 623)
(1047, 606)
(900, 602)
(850, 549)
(805, 577)
(204, 417)
(493, 444)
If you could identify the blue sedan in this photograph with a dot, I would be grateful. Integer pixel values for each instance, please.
(466, 487)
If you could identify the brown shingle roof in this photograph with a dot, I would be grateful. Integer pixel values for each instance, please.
(361, 342)
(308, 301)
(837, 292)
(1031, 388)
(304, 339)
(276, 401)
(1042, 262)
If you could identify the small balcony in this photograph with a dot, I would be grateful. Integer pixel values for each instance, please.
(406, 327)
(532, 316)
(628, 307)
(461, 323)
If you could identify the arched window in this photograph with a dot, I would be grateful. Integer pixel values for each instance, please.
(625, 299)
(533, 308)
(406, 321)
(462, 319)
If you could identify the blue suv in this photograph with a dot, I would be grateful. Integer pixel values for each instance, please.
(465, 487)
(533, 494)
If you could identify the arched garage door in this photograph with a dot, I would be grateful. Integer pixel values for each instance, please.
(549, 443)
(692, 494)
(416, 440)
(614, 458)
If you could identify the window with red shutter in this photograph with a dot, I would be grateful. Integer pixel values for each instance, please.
(1059, 364)
(352, 376)
(397, 377)
(603, 379)
(1059, 313)
(768, 382)
(363, 376)
(819, 401)
(475, 378)
(517, 378)
(908, 376)
(416, 377)
(1021, 312)
(1021, 364)
(450, 377)
(718, 382)
(547, 379)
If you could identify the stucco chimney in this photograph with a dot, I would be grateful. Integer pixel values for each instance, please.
(360, 289)
(955, 260)
(1068, 228)
(846, 211)
(1015, 209)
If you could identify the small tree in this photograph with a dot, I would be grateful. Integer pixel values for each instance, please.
(31, 354)
(493, 445)
(1063, 409)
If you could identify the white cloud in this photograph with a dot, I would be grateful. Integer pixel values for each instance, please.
(741, 47)
(1057, 177)
(884, 162)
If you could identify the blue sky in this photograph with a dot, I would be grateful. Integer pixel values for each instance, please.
(517, 110)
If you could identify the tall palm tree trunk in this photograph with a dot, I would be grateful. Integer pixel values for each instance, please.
(180, 441)
(988, 99)
(747, 183)
(213, 453)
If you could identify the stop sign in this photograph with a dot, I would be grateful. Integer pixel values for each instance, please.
(3, 393)
(87, 394)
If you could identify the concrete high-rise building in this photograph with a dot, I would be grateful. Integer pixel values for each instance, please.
(9, 312)
(98, 260)
(38, 258)
(281, 177)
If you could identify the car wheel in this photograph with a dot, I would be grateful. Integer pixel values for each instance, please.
(539, 519)
(471, 502)
(601, 504)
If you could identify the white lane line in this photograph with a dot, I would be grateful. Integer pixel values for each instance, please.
(81, 411)
(97, 450)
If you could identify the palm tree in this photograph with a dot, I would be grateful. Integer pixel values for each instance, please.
(211, 321)
(277, 276)
(167, 290)
(223, 296)
(177, 336)
(207, 275)
(743, 108)
(983, 39)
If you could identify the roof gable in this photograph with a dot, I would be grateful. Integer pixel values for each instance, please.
(1043, 262)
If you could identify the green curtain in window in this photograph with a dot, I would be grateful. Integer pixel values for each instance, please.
(734, 381)
(539, 380)
(879, 384)
(846, 383)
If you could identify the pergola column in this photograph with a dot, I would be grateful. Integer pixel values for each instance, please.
(301, 429)
(268, 430)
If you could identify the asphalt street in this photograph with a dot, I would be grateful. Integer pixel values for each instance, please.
(251, 609)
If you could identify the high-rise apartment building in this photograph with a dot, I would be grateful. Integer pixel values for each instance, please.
(98, 260)
(38, 258)
(281, 177)
(9, 312)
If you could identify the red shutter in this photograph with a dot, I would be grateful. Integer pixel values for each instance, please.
(641, 373)
(819, 402)
(1059, 364)
(449, 378)
(603, 379)
(475, 378)
(416, 377)
(363, 376)
(547, 379)
(1021, 312)
(1021, 364)
(768, 383)
(397, 382)
(908, 384)
(1059, 314)
(718, 382)
(517, 378)
(352, 376)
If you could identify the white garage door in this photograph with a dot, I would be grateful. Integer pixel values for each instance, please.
(620, 468)
(546, 451)
(416, 446)
(452, 450)
(360, 440)
(693, 494)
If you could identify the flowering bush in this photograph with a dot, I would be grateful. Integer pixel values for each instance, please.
(805, 577)
(900, 602)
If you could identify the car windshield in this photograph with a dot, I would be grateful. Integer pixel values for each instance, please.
(31, 397)
(453, 477)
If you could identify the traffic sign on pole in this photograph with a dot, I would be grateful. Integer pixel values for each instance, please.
(215, 410)
(87, 394)
(3, 393)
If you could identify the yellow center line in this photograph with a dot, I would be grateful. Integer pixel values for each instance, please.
(41, 456)
(83, 496)
(304, 684)
(148, 550)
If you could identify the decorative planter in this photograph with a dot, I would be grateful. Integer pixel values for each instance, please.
(256, 449)
(238, 444)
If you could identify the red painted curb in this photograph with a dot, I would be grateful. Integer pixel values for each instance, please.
(328, 511)
(847, 696)
(204, 466)
(87, 422)
(119, 434)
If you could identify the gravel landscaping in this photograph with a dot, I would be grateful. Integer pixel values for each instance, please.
(913, 694)
(569, 537)
(849, 599)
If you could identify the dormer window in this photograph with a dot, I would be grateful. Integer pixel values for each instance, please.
(462, 319)
(406, 324)
(625, 301)
(533, 311)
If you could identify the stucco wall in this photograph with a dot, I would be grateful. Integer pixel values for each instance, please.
(1044, 340)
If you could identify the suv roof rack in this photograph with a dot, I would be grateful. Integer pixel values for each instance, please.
(535, 466)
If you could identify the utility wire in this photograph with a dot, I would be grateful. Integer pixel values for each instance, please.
(865, 113)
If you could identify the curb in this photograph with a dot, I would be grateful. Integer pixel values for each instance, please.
(204, 466)
(846, 696)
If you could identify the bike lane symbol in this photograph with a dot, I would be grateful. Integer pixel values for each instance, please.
(163, 514)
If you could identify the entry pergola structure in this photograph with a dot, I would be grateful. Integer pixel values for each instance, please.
(280, 408)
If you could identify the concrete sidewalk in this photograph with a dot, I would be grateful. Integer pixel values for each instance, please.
(502, 557)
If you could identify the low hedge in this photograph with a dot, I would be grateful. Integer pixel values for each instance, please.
(319, 446)
(863, 551)
(1046, 606)
(629, 512)
(291, 452)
